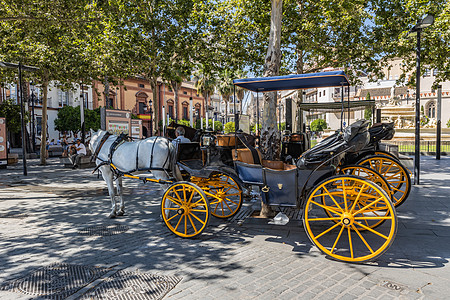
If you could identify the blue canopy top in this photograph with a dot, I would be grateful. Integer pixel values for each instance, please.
(293, 82)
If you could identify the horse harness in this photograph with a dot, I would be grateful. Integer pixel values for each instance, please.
(122, 138)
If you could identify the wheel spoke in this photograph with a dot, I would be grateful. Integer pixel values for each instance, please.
(172, 217)
(228, 206)
(329, 208)
(350, 241)
(199, 219)
(328, 230)
(345, 195)
(371, 230)
(192, 223)
(178, 222)
(337, 239)
(362, 239)
(178, 196)
(368, 205)
(231, 201)
(199, 210)
(373, 218)
(325, 219)
(185, 224)
(331, 196)
(357, 198)
(174, 200)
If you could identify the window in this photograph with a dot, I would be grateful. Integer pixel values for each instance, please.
(324, 93)
(171, 111)
(184, 92)
(63, 98)
(85, 99)
(170, 89)
(185, 113)
(431, 109)
(435, 72)
(427, 73)
(141, 85)
(320, 94)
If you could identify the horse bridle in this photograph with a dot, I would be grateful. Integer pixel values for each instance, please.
(100, 145)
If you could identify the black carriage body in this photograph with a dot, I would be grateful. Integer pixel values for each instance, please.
(282, 187)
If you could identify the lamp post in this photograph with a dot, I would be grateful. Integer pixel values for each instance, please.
(33, 126)
(417, 29)
(150, 110)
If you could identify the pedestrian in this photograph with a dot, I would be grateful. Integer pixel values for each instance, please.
(81, 151)
(47, 147)
(65, 146)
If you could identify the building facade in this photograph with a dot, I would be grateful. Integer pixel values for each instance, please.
(136, 95)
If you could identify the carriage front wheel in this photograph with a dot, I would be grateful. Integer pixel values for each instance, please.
(337, 217)
(185, 209)
(224, 194)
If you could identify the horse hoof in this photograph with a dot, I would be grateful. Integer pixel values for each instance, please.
(120, 213)
(112, 216)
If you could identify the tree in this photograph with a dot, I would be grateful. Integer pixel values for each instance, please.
(318, 125)
(69, 117)
(11, 112)
(229, 127)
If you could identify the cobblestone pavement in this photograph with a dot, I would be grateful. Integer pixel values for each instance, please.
(41, 215)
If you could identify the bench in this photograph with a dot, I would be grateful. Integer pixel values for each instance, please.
(13, 158)
(85, 162)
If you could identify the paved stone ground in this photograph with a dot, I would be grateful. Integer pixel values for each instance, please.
(40, 216)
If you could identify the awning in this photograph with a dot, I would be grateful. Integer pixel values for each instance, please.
(293, 82)
(336, 106)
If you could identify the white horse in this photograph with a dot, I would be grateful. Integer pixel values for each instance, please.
(129, 156)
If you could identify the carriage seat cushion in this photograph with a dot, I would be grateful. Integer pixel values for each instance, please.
(245, 155)
(356, 135)
(381, 131)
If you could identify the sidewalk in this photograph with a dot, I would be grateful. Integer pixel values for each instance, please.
(41, 217)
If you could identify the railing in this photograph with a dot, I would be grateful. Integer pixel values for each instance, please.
(425, 146)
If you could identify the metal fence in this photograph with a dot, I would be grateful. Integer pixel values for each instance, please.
(425, 146)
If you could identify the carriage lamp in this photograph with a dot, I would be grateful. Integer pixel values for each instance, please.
(206, 140)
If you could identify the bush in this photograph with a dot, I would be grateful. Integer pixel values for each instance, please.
(229, 127)
(448, 123)
(318, 125)
(253, 128)
(217, 125)
(184, 122)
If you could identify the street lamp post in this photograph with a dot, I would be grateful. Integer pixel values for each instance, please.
(150, 110)
(33, 126)
(417, 29)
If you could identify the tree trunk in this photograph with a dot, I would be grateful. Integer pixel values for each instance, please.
(270, 137)
(106, 92)
(155, 117)
(44, 119)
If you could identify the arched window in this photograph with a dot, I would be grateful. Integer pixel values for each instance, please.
(430, 109)
(141, 102)
(170, 110)
(185, 105)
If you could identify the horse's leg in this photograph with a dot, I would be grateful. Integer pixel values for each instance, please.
(121, 208)
(108, 177)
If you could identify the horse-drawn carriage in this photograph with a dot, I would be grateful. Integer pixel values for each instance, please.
(348, 212)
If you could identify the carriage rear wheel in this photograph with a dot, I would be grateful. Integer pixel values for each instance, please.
(395, 174)
(185, 209)
(223, 192)
(375, 177)
(344, 232)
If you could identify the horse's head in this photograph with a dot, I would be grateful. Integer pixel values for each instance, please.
(96, 137)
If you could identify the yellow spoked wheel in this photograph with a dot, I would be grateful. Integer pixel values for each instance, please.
(223, 192)
(185, 209)
(395, 174)
(342, 232)
(385, 153)
(375, 177)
